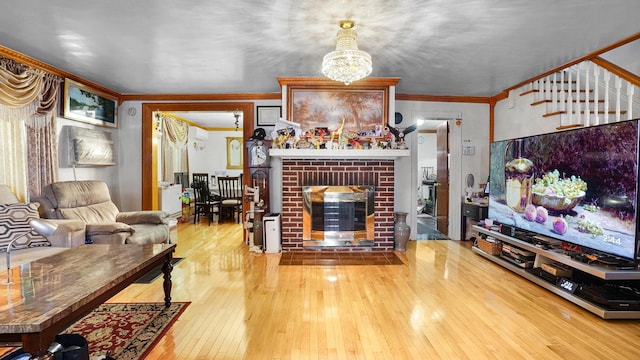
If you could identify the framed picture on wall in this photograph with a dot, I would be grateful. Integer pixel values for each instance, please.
(356, 109)
(268, 115)
(234, 153)
(89, 105)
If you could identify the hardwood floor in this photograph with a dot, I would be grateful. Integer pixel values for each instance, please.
(445, 303)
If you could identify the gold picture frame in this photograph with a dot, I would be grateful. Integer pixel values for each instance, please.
(234, 153)
(363, 108)
(89, 105)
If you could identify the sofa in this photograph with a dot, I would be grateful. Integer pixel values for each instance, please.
(90, 201)
(14, 223)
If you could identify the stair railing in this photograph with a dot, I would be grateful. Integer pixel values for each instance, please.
(577, 100)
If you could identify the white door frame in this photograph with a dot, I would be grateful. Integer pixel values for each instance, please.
(455, 170)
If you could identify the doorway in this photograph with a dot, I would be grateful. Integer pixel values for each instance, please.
(433, 183)
(150, 142)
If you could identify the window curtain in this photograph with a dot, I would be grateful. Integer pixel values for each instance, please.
(174, 147)
(13, 158)
(28, 108)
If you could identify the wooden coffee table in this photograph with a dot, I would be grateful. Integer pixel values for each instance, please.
(49, 294)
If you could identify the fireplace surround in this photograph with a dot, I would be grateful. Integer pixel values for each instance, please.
(375, 172)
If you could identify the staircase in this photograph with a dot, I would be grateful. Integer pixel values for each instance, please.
(583, 94)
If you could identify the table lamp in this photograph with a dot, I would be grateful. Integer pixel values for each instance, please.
(40, 226)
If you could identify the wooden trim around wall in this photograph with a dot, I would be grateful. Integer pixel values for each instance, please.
(323, 81)
(444, 98)
(37, 64)
(201, 97)
(150, 140)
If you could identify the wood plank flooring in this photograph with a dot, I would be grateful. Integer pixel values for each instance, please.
(445, 303)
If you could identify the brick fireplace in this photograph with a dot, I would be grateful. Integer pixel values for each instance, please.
(299, 172)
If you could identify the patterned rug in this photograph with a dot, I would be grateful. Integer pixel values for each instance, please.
(127, 331)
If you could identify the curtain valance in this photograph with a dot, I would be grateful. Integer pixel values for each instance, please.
(27, 94)
(176, 130)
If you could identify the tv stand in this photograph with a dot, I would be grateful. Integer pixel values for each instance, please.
(592, 277)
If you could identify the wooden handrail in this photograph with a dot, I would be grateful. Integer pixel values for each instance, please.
(589, 56)
(615, 69)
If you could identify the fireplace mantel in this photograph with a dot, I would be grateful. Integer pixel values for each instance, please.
(338, 154)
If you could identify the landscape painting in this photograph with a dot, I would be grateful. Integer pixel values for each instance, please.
(83, 103)
(355, 110)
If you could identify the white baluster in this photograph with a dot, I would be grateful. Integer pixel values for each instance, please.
(563, 95)
(554, 94)
(596, 100)
(630, 91)
(570, 98)
(587, 111)
(607, 76)
(548, 97)
(618, 91)
(578, 107)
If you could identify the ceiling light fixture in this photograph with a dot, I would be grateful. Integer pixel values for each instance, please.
(236, 114)
(346, 64)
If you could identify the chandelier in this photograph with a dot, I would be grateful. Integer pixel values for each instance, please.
(236, 114)
(346, 64)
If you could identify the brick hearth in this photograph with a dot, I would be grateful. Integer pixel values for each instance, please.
(297, 173)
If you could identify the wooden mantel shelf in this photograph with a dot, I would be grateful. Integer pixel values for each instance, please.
(338, 154)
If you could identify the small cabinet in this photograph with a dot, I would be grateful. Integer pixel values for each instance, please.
(471, 215)
(171, 199)
(475, 212)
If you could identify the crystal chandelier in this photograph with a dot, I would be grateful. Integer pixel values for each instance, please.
(346, 64)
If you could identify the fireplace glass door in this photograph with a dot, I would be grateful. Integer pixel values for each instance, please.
(338, 215)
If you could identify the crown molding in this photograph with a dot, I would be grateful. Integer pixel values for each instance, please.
(29, 61)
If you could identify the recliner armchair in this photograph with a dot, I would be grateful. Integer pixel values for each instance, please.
(14, 223)
(90, 201)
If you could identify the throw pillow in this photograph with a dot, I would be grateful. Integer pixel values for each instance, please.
(14, 222)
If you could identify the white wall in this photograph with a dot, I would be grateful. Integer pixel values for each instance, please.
(128, 187)
(125, 178)
(108, 174)
(129, 192)
(515, 117)
(473, 129)
(212, 159)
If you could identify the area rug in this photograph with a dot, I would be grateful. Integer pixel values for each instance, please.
(126, 331)
(340, 258)
(155, 272)
(427, 229)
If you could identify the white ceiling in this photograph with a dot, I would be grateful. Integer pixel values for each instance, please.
(436, 47)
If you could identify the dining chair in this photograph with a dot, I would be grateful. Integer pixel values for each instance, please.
(230, 191)
(206, 204)
(204, 177)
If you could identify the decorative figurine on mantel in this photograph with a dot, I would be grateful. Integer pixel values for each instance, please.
(400, 134)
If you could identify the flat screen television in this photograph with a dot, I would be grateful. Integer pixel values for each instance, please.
(579, 186)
